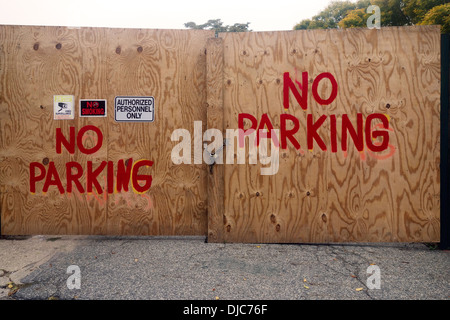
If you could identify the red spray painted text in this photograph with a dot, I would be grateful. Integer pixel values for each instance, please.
(126, 170)
(373, 131)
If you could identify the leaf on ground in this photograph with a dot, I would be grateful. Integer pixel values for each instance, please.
(359, 289)
(53, 239)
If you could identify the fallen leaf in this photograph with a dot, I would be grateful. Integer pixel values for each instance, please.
(258, 246)
(217, 298)
(353, 276)
(304, 279)
(359, 289)
(305, 286)
(10, 286)
(135, 260)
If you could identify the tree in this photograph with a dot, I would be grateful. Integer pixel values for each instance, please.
(392, 12)
(329, 17)
(417, 9)
(439, 15)
(303, 25)
(217, 26)
(355, 18)
(238, 27)
(334, 13)
(346, 14)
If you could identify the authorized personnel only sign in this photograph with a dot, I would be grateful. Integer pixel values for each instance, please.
(135, 109)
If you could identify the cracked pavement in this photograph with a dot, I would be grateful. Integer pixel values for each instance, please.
(176, 268)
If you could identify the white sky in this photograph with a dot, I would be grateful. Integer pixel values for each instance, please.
(263, 15)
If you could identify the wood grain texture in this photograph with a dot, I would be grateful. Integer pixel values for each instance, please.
(320, 196)
(393, 71)
(32, 71)
(215, 111)
(281, 207)
(316, 196)
(171, 66)
(39, 62)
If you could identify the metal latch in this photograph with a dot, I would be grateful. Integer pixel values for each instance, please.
(213, 155)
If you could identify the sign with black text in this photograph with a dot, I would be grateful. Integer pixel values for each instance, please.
(134, 109)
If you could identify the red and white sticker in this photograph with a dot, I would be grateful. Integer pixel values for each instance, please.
(93, 108)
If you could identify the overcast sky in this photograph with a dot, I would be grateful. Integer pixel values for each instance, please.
(263, 15)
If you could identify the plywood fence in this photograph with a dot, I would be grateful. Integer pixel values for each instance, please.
(96, 63)
(321, 191)
(352, 193)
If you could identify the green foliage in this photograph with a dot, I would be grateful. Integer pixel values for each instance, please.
(392, 13)
(329, 17)
(238, 27)
(334, 13)
(417, 9)
(355, 18)
(217, 26)
(303, 25)
(439, 15)
(346, 14)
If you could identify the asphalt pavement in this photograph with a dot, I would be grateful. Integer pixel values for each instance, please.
(188, 268)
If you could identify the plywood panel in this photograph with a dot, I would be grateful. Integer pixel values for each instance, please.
(352, 195)
(37, 63)
(170, 66)
(95, 63)
(271, 208)
(394, 193)
(315, 196)
(215, 115)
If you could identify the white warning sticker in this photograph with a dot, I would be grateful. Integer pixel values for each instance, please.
(63, 107)
(134, 109)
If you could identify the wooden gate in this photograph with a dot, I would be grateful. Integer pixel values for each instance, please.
(37, 63)
(357, 113)
(353, 156)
